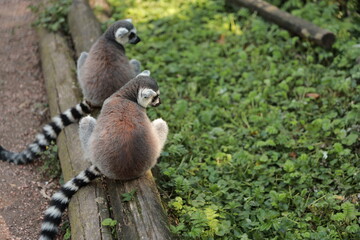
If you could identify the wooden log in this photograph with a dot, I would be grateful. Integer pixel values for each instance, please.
(141, 218)
(83, 25)
(88, 207)
(287, 21)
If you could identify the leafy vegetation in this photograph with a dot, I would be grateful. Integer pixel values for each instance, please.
(67, 231)
(127, 197)
(265, 126)
(54, 16)
(110, 223)
(51, 166)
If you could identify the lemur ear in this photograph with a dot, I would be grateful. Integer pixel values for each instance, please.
(128, 20)
(147, 93)
(121, 32)
(144, 73)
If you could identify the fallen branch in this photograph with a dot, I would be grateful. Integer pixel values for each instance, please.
(287, 21)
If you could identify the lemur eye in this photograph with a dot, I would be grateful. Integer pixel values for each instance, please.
(132, 35)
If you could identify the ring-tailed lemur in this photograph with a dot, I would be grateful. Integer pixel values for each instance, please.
(101, 72)
(122, 144)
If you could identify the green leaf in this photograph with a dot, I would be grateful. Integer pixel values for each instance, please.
(127, 197)
(109, 222)
(180, 107)
(350, 212)
(338, 147)
(338, 217)
(350, 139)
(67, 234)
(289, 166)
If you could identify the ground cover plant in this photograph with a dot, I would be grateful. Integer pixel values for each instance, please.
(264, 126)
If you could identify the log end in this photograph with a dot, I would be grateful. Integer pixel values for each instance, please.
(328, 39)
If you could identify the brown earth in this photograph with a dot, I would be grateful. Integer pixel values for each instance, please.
(22, 113)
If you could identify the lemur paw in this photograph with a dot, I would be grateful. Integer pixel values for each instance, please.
(136, 66)
(160, 125)
(87, 121)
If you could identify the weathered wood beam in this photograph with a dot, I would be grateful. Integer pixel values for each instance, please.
(83, 25)
(287, 21)
(141, 218)
(89, 206)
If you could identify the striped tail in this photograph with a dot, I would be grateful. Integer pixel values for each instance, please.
(49, 133)
(61, 199)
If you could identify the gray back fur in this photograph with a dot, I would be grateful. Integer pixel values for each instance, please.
(124, 144)
(105, 70)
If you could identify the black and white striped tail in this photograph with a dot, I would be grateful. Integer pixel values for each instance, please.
(49, 133)
(61, 199)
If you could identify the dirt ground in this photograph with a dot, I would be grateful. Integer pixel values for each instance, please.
(22, 113)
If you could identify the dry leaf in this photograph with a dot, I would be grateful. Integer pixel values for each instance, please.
(312, 95)
(338, 197)
(221, 40)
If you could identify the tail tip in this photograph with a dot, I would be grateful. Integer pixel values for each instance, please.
(2, 154)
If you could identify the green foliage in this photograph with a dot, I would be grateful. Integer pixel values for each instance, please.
(110, 223)
(65, 227)
(53, 17)
(127, 197)
(67, 234)
(264, 126)
(51, 166)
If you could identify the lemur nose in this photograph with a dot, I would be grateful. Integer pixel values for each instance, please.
(137, 39)
(156, 103)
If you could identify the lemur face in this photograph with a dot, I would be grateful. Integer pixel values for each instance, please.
(125, 32)
(149, 94)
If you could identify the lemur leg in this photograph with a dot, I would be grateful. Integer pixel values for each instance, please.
(135, 65)
(86, 127)
(80, 62)
(162, 131)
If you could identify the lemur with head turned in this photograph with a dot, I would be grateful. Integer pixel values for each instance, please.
(101, 72)
(121, 144)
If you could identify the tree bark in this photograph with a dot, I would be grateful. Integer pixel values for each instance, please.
(287, 21)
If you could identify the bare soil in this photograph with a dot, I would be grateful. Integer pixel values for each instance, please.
(23, 111)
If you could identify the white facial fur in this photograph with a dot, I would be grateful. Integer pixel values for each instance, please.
(145, 97)
(122, 35)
